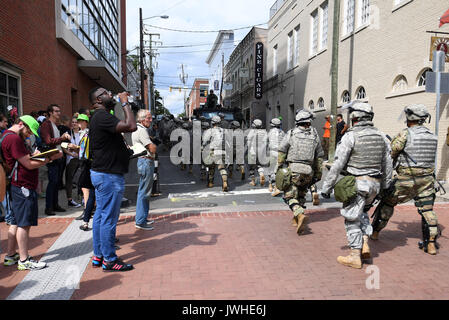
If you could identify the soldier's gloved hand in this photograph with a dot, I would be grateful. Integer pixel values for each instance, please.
(325, 195)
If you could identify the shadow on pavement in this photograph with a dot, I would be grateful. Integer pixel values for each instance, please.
(96, 286)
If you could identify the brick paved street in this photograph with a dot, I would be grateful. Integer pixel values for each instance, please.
(256, 256)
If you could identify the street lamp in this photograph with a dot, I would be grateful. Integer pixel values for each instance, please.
(142, 76)
(162, 17)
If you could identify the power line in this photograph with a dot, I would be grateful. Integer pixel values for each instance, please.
(181, 52)
(205, 31)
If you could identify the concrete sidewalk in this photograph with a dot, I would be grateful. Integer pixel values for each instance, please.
(252, 255)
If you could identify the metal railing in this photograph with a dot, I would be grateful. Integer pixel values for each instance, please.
(275, 7)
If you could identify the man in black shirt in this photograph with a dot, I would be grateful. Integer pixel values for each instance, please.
(341, 127)
(110, 161)
(211, 100)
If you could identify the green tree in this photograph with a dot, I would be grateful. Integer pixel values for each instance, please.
(159, 106)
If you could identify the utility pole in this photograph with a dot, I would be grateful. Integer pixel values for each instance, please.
(334, 89)
(152, 107)
(142, 56)
(183, 77)
(222, 79)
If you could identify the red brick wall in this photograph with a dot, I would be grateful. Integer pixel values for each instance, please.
(28, 40)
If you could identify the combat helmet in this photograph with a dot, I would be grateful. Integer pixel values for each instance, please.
(257, 123)
(235, 124)
(216, 120)
(186, 126)
(361, 111)
(416, 112)
(276, 122)
(304, 116)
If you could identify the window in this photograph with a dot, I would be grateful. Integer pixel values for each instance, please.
(324, 24)
(361, 93)
(422, 77)
(203, 90)
(321, 103)
(311, 105)
(9, 91)
(349, 17)
(314, 33)
(400, 84)
(275, 60)
(296, 39)
(290, 51)
(346, 97)
(364, 12)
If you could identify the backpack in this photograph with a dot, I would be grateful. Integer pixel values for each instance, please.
(346, 189)
(6, 172)
(283, 179)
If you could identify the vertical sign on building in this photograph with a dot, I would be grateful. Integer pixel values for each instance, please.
(258, 79)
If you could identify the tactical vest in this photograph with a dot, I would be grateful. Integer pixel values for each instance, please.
(368, 149)
(258, 144)
(303, 144)
(275, 137)
(421, 146)
(217, 139)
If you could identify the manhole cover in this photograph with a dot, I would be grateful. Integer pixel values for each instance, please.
(201, 205)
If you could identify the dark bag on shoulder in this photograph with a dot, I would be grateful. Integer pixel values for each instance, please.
(82, 175)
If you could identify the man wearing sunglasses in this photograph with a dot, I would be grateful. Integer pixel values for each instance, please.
(110, 161)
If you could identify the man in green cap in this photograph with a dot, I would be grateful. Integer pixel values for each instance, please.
(24, 180)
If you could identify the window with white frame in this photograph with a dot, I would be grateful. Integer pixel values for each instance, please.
(349, 17)
(346, 97)
(311, 105)
(400, 84)
(321, 103)
(296, 39)
(275, 60)
(290, 51)
(324, 24)
(422, 77)
(314, 33)
(364, 11)
(9, 91)
(361, 93)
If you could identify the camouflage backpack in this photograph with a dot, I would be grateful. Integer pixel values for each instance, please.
(283, 178)
(346, 189)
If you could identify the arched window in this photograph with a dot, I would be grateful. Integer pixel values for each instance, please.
(361, 93)
(400, 83)
(422, 77)
(321, 103)
(346, 97)
(311, 105)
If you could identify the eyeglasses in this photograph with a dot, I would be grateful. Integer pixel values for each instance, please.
(106, 91)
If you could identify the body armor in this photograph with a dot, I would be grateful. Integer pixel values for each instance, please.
(275, 137)
(303, 143)
(368, 150)
(421, 146)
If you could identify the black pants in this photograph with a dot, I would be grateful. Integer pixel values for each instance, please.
(69, 172)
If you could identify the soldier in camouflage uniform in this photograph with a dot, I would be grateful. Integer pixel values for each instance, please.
(204, 127)
(275, 137)
(214, 140)
(414, 180)
(301, 150)
(257, 141)
(363, 152)
(238, 150)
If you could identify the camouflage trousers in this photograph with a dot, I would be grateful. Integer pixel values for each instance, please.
(273, 167)
(419, 189)
(252, 170)
(295, 195)
(216, 161)
(357, 223)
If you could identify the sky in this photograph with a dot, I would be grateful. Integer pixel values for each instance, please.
(191, 15)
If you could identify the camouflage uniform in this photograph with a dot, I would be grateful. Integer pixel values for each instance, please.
(238, 145)
(257, 141)
(413, 182)
(204, 126)
(275, 137)
(301, 149)
(363, 152)
(214, 138)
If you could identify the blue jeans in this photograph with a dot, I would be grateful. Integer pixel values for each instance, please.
(51, 194)
(145, 168)
(109, 189)
(6, 204)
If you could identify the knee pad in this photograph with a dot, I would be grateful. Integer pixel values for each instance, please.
(381, 216)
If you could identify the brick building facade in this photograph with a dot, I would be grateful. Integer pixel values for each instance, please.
(198, 95)
(42, 61)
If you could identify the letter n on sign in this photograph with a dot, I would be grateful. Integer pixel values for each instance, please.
(258, 79)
